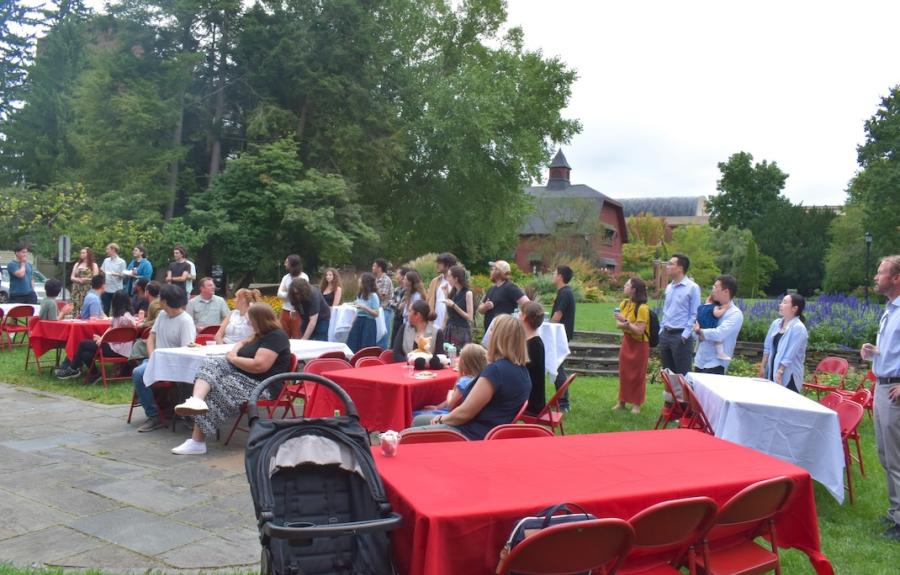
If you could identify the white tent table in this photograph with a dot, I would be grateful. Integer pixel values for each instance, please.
(774, 420)
(181, 363)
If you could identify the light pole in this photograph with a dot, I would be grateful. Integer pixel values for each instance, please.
(868, 237)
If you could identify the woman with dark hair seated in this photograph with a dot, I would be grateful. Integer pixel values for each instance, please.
(499, 391)
(223, 384)
(314, 312)
(87, 349)
(532, 318)
(419, 329)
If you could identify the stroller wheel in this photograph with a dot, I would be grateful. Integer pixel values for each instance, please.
(265, 563)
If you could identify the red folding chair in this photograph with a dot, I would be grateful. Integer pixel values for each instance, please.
(665, 535)
(595, 545)
(832, 400)
(518, 431)
(867, 382)
(696, 417)
(829, 366)
(271, 405)
(209, 330)
(30, 352)
(670, 411)
(368, 361)
(114, 335)
(316, 366)
(416, 435)
(373, 351)
(15, 323)
(849, 415)
(520, 413)
(552, 415)
(204, 338)
(729, 546)
(387, 356)
(333, 355)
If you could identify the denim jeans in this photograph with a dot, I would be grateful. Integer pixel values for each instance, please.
(144, 393)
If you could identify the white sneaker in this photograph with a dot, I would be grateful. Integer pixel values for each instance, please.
(192, 406)
(722, 356)
(190, 447)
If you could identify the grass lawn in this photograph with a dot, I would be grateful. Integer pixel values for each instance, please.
(851, 535)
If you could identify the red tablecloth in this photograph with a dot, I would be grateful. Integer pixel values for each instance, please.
(459, 501)
(46, 334)
(385, 395)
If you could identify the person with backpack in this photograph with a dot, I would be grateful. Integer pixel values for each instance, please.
(633, 318)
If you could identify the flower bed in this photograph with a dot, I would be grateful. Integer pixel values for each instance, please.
(833, 321)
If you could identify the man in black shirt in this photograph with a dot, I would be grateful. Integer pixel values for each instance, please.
(504, 297)
(180, 272)
(564, 313)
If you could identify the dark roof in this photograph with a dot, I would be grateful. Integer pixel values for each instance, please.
(559, 161)
(662, 207)
(553, 211)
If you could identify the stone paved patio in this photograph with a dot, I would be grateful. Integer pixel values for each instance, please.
(81, 488)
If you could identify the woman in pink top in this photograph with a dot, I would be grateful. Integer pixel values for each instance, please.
(87, 349)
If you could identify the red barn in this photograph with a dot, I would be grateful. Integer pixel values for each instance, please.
(570, 220)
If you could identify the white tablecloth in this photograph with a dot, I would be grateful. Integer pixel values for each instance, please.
(342, 318)
(772, 419)
(8, 306)
(556, 345)
(182, 363)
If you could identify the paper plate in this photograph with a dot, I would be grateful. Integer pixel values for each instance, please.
(425, 375)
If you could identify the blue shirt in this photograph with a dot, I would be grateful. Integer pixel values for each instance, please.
(886, 362)
(373, 302)
(144, 270)
(680, 308)
(727, 332)
(512, 386)
(791, 353)
(91, 306)
(22, 285)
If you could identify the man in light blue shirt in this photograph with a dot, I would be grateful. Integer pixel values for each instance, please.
(707, 360)
(676, 342)
(93, 306)
(113, 268)
(885, 358)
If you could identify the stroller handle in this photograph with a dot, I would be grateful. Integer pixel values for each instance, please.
(388, 523)
(253, 410)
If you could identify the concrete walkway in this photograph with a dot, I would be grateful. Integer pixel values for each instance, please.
(81, 488)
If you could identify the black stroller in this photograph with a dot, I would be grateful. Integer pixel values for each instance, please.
(319, 501)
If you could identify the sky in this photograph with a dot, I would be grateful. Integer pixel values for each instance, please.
(667, 90)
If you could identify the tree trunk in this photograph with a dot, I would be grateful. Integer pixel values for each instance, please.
(173, 169)
(215, 160)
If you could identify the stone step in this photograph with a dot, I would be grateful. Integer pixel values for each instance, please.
(594, 372)
(597, 336)
(594, 346)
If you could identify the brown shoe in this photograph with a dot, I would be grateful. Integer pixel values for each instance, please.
(151, 424)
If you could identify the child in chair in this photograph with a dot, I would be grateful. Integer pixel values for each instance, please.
(708, 316)
(472, 359)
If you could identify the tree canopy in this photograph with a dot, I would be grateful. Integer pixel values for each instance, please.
(429, 116)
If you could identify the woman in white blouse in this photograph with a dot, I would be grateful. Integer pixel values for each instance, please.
(236, 326)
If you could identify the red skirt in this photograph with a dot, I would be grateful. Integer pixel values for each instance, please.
(633, 358)
(290, 323)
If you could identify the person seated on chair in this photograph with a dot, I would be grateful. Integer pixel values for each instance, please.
(173, 328)
(236, 326)
(151, 294)
(472, 360)
(49, 310)
(207, 308)
(224, 383)
(532, 318)
(92, 307)
(139, 301)
(87, 348)
(499, 391)
(419, 328)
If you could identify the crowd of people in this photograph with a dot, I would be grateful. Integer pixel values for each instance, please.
(407, 317)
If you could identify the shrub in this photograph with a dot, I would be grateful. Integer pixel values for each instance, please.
(425, 265)
(269, 299)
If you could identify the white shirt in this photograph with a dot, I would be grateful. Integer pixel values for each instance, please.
(283, 288)
(726, 332)
(440, 302)
(886, 363)
(114, 265)
(238, 328)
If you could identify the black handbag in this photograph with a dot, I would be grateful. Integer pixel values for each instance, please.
(556, 515)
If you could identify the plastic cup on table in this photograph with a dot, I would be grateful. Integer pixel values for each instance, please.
(390, 441)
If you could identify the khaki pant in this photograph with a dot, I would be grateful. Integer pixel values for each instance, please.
(887, 438)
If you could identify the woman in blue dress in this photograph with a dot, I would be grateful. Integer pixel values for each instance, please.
(364, 332)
